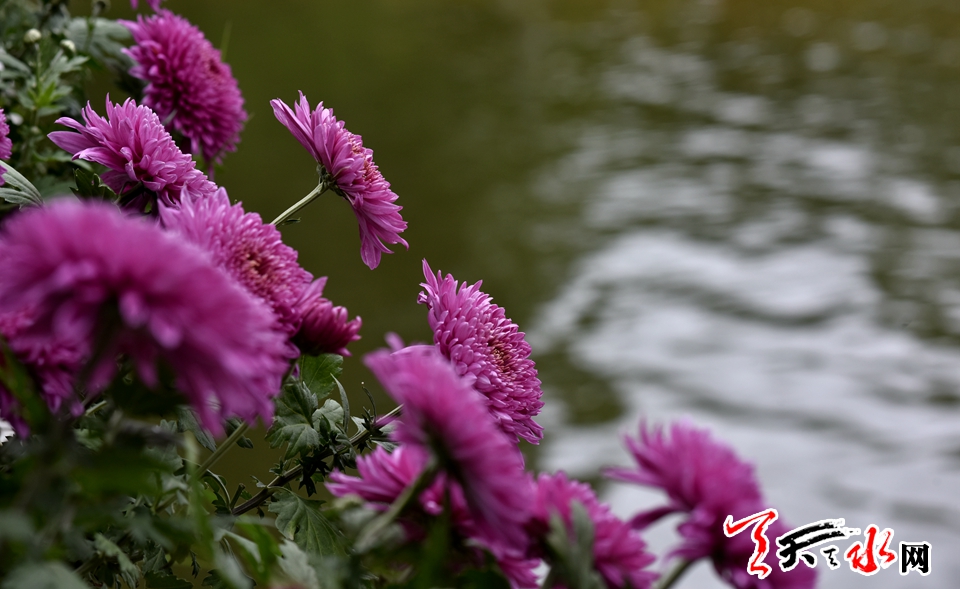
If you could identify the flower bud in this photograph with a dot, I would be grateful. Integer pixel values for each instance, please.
(68, 46)
(32, 36)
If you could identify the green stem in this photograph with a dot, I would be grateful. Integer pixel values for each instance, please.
(222, 449)
(675, 574)
(370, 532)
(316, 192)
(290, 475)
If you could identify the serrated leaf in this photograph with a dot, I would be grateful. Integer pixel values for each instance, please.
(319, 373)
(293, 421)
(47, 575)
(166, 581)
(128, 570)
(17, 189)
(329, 416)
(345, 403)
(300, 520)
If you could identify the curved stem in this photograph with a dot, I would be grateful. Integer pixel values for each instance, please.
(675, 574)
(290, 475)
(320, 189)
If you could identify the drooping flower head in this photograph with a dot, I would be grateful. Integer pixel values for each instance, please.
(385, 475)
(706, 480)
(445, 417)
(140, 153)
(6, 146)
(324, 328)
(188, 84)
(350, 167)
(91, 274)
(619, 553)
(250, 251)
(485, 346)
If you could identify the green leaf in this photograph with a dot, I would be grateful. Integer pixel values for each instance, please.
(293, 423)
(17, 189)
(300, 520)
(187, 422)
(329, 416)
(319, 373)
(128, 570)
(166, 581)
(345, 403)
(47, 575)
(90, 186)
(259, 552)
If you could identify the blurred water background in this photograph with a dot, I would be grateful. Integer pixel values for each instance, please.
(743, 212)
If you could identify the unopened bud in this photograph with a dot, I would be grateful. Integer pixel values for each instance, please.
(32, 36)
(68, 46)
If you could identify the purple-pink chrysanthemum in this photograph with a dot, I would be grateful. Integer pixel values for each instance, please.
(383, 476)
(476, 336)
(250, 251)
(76, 265)
(324, 328)
(187, 82)
(619, 553)
(141, 155)
(6, 146)
(445, 416)
(708, 481)
(350, 166)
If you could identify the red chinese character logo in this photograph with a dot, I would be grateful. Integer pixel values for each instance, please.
(871, 555)
(761, 546)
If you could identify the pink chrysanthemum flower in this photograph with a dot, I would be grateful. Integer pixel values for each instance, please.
(188, 84)
(619, 553)
(385, 475)
(324, 328)
(6, 146)
(350, 167)
(132, 142)
(708, 481)
(250, 251)
(76, 264)
(445, 416)
(485, 346)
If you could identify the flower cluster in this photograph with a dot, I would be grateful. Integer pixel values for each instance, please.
(188, 84)
(486, 347)
(86, 274)
(144, 162)
(349, 166)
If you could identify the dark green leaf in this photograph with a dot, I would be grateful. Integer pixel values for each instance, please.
(319, 372)
(345, 403)
(245, 442)
(292, 423)
(89, 185)
(300, 520)
(47, 575)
